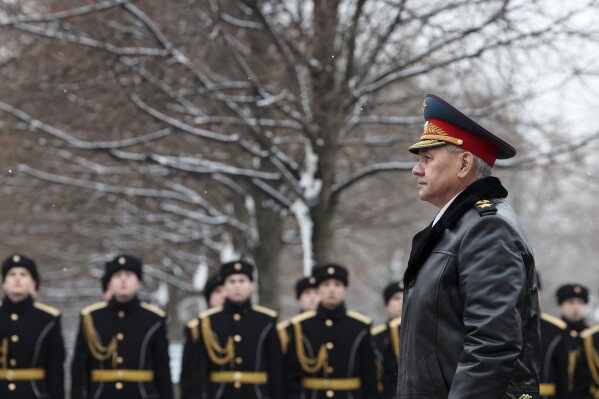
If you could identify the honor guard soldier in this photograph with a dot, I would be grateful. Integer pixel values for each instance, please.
(551, 340)
(239, 353)
(574, 376)
(590, 338)
(215, 295)
(31, 347)
(306, 293)
(121, 349)
(386, 341)
(330, 351)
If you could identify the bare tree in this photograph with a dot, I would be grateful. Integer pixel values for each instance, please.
(198, 129)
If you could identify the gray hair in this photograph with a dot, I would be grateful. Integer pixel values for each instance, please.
(481, 168)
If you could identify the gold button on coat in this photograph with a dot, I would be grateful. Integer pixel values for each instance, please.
(14, 338)
(328, 322)
(119, 360)
(330, 345)
(120, 336)
(121, 314)
(237, 338)
(14, 317)
(237, 316)
(237, 384)
(12, 386)
(13, 362)
(118, 385)
(238, 360)
(330, 394)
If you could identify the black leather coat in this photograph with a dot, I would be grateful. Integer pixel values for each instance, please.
(470, 324)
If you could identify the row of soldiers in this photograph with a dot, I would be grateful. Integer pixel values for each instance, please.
(236, 349)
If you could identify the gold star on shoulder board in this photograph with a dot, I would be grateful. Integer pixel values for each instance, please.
(484, 204)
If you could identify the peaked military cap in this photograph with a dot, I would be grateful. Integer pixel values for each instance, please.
(18, 260)
(445, 124)
(303, 284)
(330, 270)
(238, 266)
(391, 289)
(211, 284)
(568, 291)
(122, 262)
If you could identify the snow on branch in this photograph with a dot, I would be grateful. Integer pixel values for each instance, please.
(337, 188)
(89, 42)
(273, 193)
(102, 187)
(206, 166)
(182, 125)
(73, 12)
(36, 124)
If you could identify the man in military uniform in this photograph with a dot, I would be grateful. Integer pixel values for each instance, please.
(330, 349)
(121, 349)
(574, 376)
(386, 341)
(31, 347)
(306, 293)
(238, 349)
(551, 340)
(215, 295)
(590, 338)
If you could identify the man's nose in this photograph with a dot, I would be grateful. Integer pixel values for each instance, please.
(417, 169)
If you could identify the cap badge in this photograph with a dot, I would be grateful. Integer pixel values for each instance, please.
(237, 266)
(525, 396)
(331, 270)
(16, 258)
(577, 289)
(122, 260)
(312, 280)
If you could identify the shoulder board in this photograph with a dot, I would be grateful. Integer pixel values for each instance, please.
(46, 308)
(283, 325)
(378, 329)
(153, 309)
(359, 316)
(554, 320)
(587, 332)
(192, 323)
(94, 307)
(0, 302)
(303, 316)
(485, 207)
(264, 310)
(395, 322)
(210, 312)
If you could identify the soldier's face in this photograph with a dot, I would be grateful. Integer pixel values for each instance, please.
(309, 299)
(18, 284)
(573, 309)
(438, 172)
(217, 296)
(394, 305)
(124, 285)
(332, 293)
(238, 287)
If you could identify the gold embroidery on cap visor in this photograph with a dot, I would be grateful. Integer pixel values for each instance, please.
(434, 136)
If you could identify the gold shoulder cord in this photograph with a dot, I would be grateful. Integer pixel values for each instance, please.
(4, 353)
(97, 350)
(310, 366)
(213, 348)
(592, 358)
(395, 341)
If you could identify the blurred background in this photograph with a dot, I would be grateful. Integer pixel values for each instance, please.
(190, 133)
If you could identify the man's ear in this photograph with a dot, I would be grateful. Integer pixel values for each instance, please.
(466, 163)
